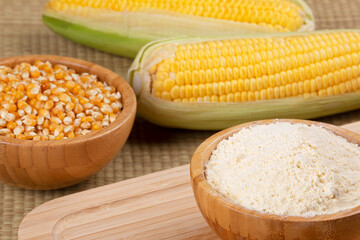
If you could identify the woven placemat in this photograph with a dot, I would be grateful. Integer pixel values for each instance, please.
(150, 148)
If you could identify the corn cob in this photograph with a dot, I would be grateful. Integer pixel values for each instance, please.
(122, 27)
(214, 84)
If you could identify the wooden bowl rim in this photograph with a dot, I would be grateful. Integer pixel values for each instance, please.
(128, 99)
(198, 176)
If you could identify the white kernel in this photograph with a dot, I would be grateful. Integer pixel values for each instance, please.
(106, 100)
(67, 120)
(25, 75)
(3, 113)
(33, 68)
(88, 112)
(40, 120)
(35, 90)
(44, 98)
(28, 109)
(105, 123)
(2, 122)
(52, 79)
(75, 77)
(77, 122)
(80, 115)
(112, 118)
(29, 128)
(45, 131)
(57, 132)
(106, 109)
(84, 132)
(31, 134)
(54, 98)
(100, 96)
(88, 105)
(91, 92)
(21, 112)
(4, 131)
(56, 120)
(85, 125)
(19, 130)
(68, 129)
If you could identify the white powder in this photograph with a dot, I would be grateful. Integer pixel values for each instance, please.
(287, 169)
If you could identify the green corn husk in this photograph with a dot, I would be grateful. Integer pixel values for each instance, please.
(215, 116)
(124, 33)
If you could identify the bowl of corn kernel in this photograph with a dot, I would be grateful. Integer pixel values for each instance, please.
(61, 120)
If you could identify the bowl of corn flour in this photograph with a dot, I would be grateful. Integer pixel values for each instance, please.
(280, 179)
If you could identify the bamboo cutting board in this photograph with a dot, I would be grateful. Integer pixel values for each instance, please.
(155, 206)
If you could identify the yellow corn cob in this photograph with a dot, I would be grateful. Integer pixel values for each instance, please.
(282, 15)
(146, 20)
(278, 72)
(241, 70)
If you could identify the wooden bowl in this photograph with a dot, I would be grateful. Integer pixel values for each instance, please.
(232, 221)
(60, 163)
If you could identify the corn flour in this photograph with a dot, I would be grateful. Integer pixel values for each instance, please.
(287, 169)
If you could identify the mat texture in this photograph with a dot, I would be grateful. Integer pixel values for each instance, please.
(150, 148)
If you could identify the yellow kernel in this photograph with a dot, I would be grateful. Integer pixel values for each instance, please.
(69, 106)
(32, 90)
(96, 126)
(180, 78)
(49, 105)
(34, 72)
(21, 136)
(52, 127)
(10, 107)
(36, 138)
(70, 84)
(79, 108)
(164, 95)
(29, 122)
(11, 125)
(55, 120)
(76, 89)
(188, 91)
(60, 136)
(87, 119)
(19, 94)
(45, 137)
(64, 98)
(11, 135)
(70, 134)
(46, 123)
(169, 84)
(61, 115)
(83, 100)
(59, 75)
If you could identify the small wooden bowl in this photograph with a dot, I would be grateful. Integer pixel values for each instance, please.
(232, 221)
(60, 163)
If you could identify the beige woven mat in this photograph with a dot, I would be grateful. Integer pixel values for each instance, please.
(149, 148)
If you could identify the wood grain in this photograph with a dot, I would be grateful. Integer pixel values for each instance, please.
(156, 206)
(232, 221)
(60, 163)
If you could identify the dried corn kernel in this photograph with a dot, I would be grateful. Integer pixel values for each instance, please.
(40, 102)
